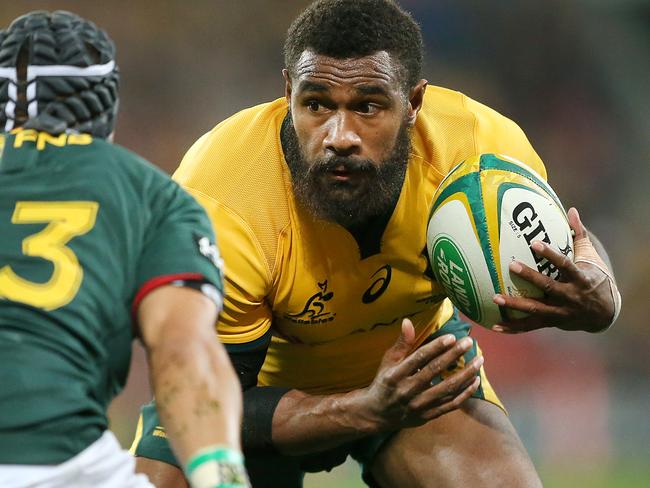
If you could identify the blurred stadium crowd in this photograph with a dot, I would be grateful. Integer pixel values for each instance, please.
(573, 73)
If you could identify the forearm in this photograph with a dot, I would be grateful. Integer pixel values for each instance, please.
(197, 394)
(404, 393)
(305, 423)
(292, 421)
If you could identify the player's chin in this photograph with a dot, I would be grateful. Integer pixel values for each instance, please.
(342, 206)
(355, 198)
(358, 198)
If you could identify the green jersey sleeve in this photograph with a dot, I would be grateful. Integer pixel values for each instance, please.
(179, 245)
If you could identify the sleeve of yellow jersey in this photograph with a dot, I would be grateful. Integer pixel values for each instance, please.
(246, 315)
(495, 133)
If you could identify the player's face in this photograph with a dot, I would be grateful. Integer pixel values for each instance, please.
(347, 141)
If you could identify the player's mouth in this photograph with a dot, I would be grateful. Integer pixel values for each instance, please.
(341, 173)
(344, 172)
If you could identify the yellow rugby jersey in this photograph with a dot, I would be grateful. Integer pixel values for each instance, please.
(333, 309)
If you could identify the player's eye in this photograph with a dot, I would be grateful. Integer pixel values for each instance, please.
(367, 108)
(313, 105)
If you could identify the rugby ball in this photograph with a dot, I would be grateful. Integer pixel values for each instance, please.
(485, 214)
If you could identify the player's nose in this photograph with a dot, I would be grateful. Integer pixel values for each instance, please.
(342, 137)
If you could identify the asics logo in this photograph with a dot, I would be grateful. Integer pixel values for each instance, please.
(378, 287)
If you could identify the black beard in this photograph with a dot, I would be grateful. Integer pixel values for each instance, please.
(374, 193)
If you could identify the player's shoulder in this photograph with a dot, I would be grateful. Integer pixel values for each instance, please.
(127, 179)
(451, 127)
(72, 154)
(448, 108)
(116, 154)
(122, 163)
(444, 130)
(240, 163)
(238, 173)
(252, 118)
(247, 139)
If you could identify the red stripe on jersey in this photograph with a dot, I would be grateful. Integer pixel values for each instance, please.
(157, 282)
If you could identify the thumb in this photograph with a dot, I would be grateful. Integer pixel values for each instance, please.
(404, 343)
(583, 248)
(576, 224)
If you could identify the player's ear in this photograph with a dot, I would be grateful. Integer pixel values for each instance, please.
(416, 98)
(287, 85)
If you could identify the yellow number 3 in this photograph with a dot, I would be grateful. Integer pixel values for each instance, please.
(66, 220)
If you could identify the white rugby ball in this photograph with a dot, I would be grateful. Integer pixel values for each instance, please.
(485, 214)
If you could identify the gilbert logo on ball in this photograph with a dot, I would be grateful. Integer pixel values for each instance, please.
(485, 214)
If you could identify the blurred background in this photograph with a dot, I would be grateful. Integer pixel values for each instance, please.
(575, 75)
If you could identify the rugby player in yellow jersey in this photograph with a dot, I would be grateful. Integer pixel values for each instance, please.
(343, 342)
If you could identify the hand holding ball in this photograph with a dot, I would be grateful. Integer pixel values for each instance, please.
(486, 213)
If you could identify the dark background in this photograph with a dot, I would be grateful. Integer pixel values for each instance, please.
(573, 73)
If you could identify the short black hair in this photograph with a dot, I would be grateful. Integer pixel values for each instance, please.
(354, 28)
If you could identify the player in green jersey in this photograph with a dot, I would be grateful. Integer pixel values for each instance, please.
(98, 247)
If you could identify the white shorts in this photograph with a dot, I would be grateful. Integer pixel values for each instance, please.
(103, 464)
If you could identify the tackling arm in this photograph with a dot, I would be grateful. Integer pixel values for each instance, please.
(197, 392)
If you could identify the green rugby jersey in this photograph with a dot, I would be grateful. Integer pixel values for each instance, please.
(87, 228)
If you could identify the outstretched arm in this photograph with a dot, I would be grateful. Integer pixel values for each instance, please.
(197, 393)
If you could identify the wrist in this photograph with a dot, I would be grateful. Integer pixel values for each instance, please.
(216, 467)
(616, 295)
(361, 415)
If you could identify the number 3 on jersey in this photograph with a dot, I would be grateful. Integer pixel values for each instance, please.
(65, 221)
